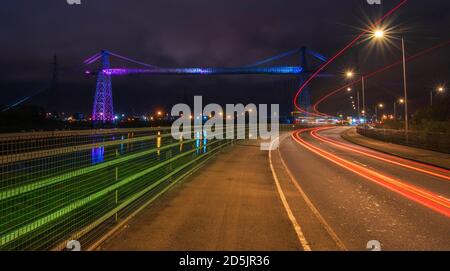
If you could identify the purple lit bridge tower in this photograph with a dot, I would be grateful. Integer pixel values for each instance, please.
(103, 99)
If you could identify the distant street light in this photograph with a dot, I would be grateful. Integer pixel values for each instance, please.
(349, 74)
(439, 89)
(380, 105)
(400, 101)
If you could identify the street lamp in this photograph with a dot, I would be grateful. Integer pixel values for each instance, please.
(349, 75)
(439, 89)
(380, 34)
(380, 105)
(400, 101)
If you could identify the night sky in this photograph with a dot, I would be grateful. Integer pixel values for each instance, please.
(218, 33)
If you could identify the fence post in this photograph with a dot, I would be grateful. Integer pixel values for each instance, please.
(170, 167)
(117, 200)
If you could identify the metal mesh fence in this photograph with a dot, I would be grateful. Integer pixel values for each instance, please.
(58, 186)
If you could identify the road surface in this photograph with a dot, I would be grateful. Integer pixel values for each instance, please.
(316, 192)
(230, 204)
(361, 194)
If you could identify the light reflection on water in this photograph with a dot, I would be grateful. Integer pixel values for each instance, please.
(158, 143)
(205, 141)
(122, 146)
(98, 155)
(199, 142)
(181, 143)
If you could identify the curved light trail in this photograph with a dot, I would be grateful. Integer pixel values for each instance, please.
(376, 72)
(413, 165)
(418, 195)
(303, 86)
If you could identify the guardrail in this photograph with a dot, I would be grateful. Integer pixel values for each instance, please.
(60, 186)
(431, 141)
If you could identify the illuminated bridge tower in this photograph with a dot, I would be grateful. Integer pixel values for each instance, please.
(103, 100)
(305, 96)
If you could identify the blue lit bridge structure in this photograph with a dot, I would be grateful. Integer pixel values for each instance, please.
(103, 99)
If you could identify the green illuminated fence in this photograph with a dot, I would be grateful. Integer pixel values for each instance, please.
(58, 186)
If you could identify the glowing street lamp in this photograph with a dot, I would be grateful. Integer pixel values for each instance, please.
(400, 101)
(380, 34)
(380, 106)
(349, 74)
(439, 89)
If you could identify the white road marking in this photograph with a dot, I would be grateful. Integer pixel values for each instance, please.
(311, 206)
(295, 224)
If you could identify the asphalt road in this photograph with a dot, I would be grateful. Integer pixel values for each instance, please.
(364, 195)
(316, 192)
(230, 204)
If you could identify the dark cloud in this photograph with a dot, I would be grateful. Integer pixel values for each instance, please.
(204, 33)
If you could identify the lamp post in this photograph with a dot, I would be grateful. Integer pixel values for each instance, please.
(405, 90)
(359, 111)
(380, 34)
(439, 89)
(395, 110)
(376, 110)
(363, 93)
(399, 101)
(349, 75)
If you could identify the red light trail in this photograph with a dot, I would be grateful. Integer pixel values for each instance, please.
(418, 195)
(385, 157)
(371, 74)
(302, 87)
